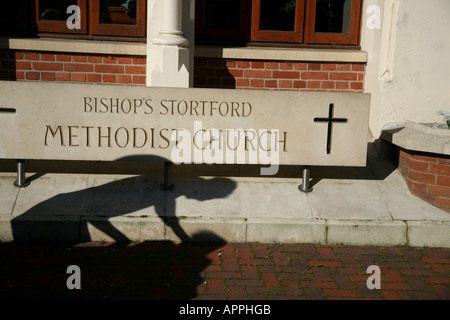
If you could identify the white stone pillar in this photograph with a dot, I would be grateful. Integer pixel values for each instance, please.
(169, 51)
(171, 33)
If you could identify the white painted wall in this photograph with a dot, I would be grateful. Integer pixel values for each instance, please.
(408, 70)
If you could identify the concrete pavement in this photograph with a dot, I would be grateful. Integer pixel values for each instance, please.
(121, 201)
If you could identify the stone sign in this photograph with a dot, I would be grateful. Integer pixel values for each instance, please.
(105, 123)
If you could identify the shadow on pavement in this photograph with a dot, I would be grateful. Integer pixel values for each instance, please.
(146, 270)
(73, 210)
(122, 270)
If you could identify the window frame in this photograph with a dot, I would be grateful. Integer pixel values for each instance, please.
(122, 30)
(91, 28)
(351, 38)
(295, 36)
(51, 26)
(305, 25)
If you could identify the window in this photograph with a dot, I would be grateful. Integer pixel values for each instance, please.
(298, 22)
(117, 17)
(278, 21)
(51, 16)
(333, 21)
(113, 18)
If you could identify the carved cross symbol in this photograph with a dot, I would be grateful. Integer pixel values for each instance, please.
(7, 110)
(330, 121)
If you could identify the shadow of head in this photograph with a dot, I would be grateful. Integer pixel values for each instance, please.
(203, 189)
(209, 237)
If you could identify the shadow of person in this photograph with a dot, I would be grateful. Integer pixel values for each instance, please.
(111, 271)
(134, 196)
(150, 270)
(173, 271)
(154, 269)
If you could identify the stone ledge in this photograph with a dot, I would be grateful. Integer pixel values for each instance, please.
(428, 233)
(268, 230)
(423, 160)
(283, 54)
(418, 137)
(361, 232)
(75, 46)
(41, 228)
(286, 230)
(140, 49)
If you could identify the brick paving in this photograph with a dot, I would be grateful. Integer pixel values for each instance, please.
(230, 271)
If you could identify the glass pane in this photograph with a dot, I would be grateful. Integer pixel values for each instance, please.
(277, 15)
(333, 16)
(118, 11)
(55, 9)
(223, 14)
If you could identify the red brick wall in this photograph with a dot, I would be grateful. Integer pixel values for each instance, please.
(208, 72)
(428, 177)
(278, 75)
(61, 67)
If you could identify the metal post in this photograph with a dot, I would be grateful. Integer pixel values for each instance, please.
(167, 186)
(304, 187)
(21, 182)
